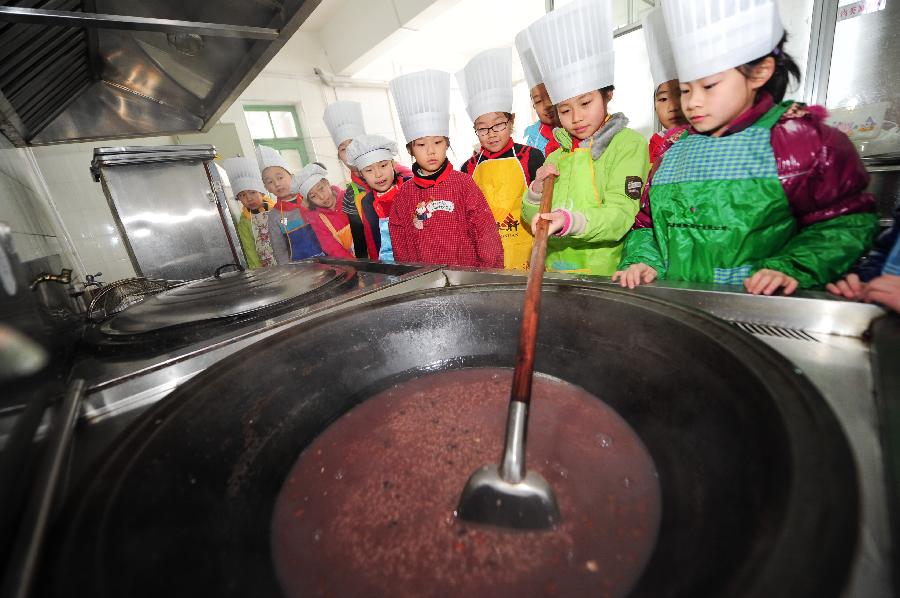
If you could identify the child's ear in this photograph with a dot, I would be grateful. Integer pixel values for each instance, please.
(761, 73)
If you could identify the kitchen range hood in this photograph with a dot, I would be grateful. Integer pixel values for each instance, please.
(83, 70)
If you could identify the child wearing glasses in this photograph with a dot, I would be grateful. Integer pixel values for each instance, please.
(601, 165)
(501, 168)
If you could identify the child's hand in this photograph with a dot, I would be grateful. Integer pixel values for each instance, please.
(557, 221)
(884, 290)
(635, 275)
(766, 282)
(850, 288)
(542, 173)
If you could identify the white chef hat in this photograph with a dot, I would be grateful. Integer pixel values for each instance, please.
(266, 156)
(711, 36)
(344, 121)
(529, 64)
(243, 174)
(369, 149)
(423, 104)
(573, 46)
(309, 177)
(659, 49)
(486, 83)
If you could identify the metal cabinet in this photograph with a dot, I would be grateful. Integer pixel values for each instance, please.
(169, 205)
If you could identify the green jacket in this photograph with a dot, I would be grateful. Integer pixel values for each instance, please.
(720, 212)
(248, 244)
(599, 185)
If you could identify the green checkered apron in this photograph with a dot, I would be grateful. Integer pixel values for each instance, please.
(718, 206)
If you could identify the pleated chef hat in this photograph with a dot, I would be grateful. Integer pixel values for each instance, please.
(369, 149)
(344, 121)
(309, 177)
(711, 36)
(573, 46)
(266, 156)
(526, 56)
(423, 104)
(243, 174)
(486, 83)
(659, 49)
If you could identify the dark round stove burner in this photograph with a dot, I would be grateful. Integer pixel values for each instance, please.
(232, 295)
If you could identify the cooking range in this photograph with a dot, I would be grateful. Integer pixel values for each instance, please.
(768, 466)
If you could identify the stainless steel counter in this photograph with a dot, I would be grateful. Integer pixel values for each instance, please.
(824, 338)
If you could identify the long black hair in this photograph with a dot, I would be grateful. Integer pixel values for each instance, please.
(785, 68)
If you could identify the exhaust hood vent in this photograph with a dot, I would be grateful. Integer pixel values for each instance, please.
(85, 70)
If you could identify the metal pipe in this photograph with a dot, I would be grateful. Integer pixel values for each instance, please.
(22, 564)
(37, 16)
(335, 81)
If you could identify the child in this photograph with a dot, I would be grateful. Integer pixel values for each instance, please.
(539, 134)
(601, 165)
(253, 227)
(872, 266)
(297, 239)
(441, 216)
(345, 122)
(373, 157)
(759, 191)
(322, 211)
(667, 94)
(502, 169)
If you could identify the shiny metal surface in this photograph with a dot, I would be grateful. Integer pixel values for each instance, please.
(835, 357)
(17, 14)
(508, 495)
(865, 70)
(233, 294)
(174, 225)
(154, 68)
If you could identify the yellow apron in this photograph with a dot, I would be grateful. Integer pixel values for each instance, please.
(503, 183)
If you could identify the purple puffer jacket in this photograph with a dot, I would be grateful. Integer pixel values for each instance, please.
(819, 169)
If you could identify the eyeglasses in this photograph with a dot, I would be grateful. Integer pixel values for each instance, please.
(498, 128)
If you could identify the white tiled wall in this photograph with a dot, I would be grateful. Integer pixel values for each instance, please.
(83, 206)
(24, 206)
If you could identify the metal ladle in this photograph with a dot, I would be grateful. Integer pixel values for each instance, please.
(508, 495)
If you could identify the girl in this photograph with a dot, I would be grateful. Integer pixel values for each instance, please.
(759, 191)
(331, 225)
(345, 122)
(373, 157)
(667, 97)
(441, 217)
(601, 165)
(253, 226)
(539, 134)
(296, 240)
(502, 169)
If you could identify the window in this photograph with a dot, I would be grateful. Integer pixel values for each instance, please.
(279, 128)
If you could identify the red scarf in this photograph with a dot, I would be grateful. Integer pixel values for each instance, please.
(546, 132)
(493, 155)
(384, 201)
(427, 182)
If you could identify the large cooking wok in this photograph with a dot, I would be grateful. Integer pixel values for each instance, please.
(759, 493)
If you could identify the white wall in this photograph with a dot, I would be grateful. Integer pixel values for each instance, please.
(25, 207)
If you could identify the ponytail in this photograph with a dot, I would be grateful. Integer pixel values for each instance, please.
(785, 69)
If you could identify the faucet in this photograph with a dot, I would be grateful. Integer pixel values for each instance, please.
(64, 277)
